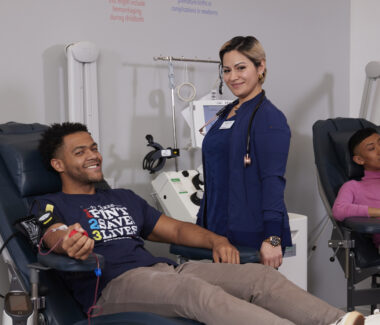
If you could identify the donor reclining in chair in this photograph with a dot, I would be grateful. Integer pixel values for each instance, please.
(361, 198)
(81, 220)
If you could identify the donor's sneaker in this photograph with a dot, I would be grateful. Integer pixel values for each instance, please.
(352, 318)
(373, 319)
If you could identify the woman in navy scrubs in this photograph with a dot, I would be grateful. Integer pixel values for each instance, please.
(244, 159)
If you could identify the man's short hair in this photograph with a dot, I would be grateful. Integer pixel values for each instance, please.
(358, 137)
(52, 139)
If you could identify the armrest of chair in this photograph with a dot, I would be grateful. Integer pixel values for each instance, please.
(68, 264)
(363, 224)
(247, 254)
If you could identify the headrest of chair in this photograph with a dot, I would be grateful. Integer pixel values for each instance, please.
(25, 166)
(340, 141)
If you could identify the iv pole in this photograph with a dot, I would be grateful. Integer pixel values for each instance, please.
(170, 60)
(372, 71)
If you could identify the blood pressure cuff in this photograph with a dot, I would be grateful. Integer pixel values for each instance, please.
(30, 228)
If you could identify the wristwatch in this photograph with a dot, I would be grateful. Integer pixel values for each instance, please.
(273, 240)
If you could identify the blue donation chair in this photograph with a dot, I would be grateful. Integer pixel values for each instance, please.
(23, 176)
(350, 239)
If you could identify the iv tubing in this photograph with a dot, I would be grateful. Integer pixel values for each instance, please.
(172, 88)
(171, 82)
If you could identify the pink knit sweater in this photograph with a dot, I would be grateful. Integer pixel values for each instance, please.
(355, 197)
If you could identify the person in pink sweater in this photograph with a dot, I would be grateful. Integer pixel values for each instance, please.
(362, 198)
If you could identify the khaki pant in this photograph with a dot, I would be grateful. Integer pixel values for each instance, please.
(216, 294)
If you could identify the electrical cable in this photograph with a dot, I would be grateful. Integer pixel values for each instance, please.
(7, 241)
(323, 223)
(155, 159)
(192, 94)
(2, 248)
(189, 85)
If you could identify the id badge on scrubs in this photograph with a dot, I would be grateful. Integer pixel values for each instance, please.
(226, 125)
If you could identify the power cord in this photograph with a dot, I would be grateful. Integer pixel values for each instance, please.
(7, 241)
(186, 84)
(193, 92)
(2, 248)
(155, 159)
(322, 225)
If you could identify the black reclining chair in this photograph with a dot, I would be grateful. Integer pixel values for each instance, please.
(22, 176)
(350, 239)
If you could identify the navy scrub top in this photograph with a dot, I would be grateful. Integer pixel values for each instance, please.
(216, 153)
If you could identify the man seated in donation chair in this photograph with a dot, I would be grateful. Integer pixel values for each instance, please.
(22, 177)
(81, 220)
(352, 234)
(360, 198)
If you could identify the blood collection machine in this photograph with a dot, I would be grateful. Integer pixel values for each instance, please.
(179, 194)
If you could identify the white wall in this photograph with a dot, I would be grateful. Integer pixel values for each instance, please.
(307, 44)
(365, 47)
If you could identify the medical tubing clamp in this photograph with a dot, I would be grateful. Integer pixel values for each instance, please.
(155, 159)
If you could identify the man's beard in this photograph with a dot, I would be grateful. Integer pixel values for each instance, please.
(86, 180)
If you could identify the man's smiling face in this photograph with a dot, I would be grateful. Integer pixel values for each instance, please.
(78, 160)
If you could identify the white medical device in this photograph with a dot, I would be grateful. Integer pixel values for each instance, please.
(179, 194)
(201, 111)
(18, 309)
(294, 265)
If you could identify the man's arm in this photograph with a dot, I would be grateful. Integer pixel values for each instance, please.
(344, 206)
(77, 246)
(184, 233)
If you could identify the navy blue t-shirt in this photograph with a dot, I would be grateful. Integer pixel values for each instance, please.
(117, 220)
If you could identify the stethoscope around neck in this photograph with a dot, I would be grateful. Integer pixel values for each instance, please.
(247, 156)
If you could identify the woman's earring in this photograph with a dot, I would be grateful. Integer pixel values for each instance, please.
(260, 77)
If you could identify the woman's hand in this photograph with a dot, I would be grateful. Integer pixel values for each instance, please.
(270, 255)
